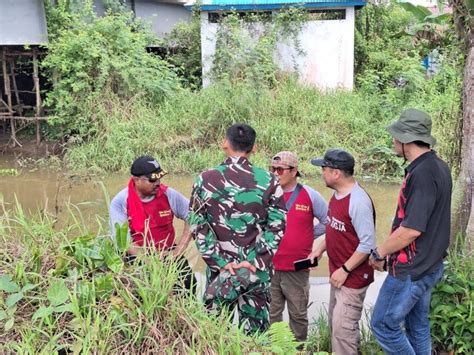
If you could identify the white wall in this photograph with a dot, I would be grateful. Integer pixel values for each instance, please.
(328, 45)
(208, 46)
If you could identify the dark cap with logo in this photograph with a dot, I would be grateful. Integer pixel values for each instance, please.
(147, 166)
(336, 159)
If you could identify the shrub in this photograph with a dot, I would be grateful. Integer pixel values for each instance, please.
(452, 304)
(91, 60)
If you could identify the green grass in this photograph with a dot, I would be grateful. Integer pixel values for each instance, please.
(68, 289)
(185, 132)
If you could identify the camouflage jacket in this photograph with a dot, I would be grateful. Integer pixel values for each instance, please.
(237, 213)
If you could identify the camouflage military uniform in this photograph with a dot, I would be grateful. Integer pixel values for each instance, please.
(238, 214)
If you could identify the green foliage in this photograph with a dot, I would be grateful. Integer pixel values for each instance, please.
(382, 54)
(183, 50)
(14, 294)
(388, 65)
(245, 44)
(80, 304)
(9, 172)
(120, 102)
(90, 60)
(452, 304)
(319, 335)
(281, 339)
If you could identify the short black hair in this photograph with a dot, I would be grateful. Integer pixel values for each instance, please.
(348, 172)
(421, 144)
(241, 137)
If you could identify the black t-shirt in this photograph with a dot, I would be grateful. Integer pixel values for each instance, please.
(424, 204)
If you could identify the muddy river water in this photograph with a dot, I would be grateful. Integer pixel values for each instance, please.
(48, 189)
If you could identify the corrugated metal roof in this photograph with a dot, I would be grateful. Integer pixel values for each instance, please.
(22, 22)
(214, 5)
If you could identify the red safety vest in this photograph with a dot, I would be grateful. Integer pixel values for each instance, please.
(342, 241)
(158, 222)
(297, 242)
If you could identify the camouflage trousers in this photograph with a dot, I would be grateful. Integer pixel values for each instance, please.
(244, 290)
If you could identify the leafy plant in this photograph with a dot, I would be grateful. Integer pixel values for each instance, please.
(15, 294)
(281, 339)
(319, 336)
(92, 60)
(9, 172)
(452, 304)
(246, 42)
(57, 296)
(183, 49)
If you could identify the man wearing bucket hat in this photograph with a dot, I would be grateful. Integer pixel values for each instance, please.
(150, 208)
(350, 235)
(418, 241)
(303, 204)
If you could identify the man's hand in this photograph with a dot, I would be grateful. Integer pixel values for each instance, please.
(133, 249)
(230, 267)
(314, 255)
(377, 265)
(246, 265)
(338, 278)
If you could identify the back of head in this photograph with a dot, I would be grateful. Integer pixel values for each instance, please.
(241, 137)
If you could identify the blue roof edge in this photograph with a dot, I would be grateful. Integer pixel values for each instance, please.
(308, 5)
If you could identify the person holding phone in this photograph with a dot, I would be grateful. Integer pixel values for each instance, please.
(350, 237)
(289, 284)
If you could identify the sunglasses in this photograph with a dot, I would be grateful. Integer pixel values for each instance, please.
(151, 180)
(279, 170)
(154, 177)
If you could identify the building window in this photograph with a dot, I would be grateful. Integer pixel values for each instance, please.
(248, 16)
(325, 15)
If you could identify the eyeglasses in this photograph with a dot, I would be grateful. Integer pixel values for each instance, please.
(279, 170)
(151, 180)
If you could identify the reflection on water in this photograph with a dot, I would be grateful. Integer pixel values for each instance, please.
(48, 190)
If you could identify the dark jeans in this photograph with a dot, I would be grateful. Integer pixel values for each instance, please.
(405, 302)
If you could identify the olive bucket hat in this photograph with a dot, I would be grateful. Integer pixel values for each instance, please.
(413, 125)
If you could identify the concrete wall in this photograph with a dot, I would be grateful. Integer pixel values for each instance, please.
(328, 45)
(22, 22)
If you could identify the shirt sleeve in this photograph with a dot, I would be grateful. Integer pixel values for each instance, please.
(179, 204)
(273, 229)
(362, 217)
(420, 202)
(118, 210)
(320, 211)
(206, 241)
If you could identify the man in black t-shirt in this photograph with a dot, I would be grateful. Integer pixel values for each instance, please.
(415, 249)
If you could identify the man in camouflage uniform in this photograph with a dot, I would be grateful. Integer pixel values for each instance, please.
(238, 219)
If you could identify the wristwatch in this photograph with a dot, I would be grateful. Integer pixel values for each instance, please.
(375, 254)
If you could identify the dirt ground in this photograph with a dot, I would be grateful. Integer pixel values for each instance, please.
(28, 148)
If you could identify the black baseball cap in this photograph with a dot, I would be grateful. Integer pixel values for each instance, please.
(336, 159)
(147, 166)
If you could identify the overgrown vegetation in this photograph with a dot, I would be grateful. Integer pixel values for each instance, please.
(114, 101)
(93, 59)
(66, 290)
(452, 303)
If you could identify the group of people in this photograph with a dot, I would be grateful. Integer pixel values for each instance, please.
(250, 225)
